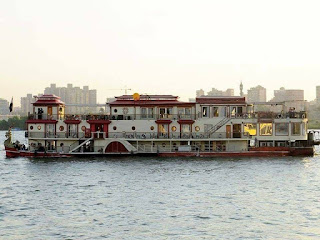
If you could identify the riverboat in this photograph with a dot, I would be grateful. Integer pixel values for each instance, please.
(161, 125)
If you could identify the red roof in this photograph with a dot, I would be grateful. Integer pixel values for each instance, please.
(48, 99)
(149, 100)
(221, 100)
(148, 97)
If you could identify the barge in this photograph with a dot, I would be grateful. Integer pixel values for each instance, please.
(161, 125)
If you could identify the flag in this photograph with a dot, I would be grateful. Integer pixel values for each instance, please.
(11, 105)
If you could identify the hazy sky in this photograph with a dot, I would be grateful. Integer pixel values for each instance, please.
(159, 47)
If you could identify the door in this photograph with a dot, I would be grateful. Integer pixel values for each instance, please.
(228, 131)
(49, 112)
(236, 130)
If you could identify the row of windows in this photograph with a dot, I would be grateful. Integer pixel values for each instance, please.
(220, 111)
(162, 127)
(150, 111)
(281, 129)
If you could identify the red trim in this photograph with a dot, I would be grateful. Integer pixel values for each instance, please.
(185, 121)
(164, 121)
(150, 103)
(41, 121)
(221, 100)
(99, 121)
(72, 121)
(43, 103)
(48, 99)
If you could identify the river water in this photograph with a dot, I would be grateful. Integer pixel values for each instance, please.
(159, 198)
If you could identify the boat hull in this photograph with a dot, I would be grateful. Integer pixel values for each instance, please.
(256, 152)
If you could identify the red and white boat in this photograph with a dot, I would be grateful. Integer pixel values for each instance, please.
(162, 125)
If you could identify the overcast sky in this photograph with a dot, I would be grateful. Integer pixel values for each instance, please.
(159, 47)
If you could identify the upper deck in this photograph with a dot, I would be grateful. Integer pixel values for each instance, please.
(157, 107)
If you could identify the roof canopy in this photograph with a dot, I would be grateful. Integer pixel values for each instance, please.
(49, 99)
(149, 100)
(220, 100)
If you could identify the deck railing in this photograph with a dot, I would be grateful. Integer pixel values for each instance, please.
(140, 135)
(255, 115)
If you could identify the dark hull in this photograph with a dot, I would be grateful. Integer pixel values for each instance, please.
(254, 152)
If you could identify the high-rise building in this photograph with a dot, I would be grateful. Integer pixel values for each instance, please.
(216, 92)
(75, 96)
(318, 93)
(287, 95)
(26, 105)
(199, 93)
(257, 94)
(241, 89)
(4, 107)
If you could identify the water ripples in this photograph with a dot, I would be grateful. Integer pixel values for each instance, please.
(159, 198)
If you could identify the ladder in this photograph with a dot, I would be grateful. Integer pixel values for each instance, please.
(218, 125)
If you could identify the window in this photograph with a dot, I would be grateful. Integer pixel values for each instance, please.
(296, 128)
(163, 128)
(215, 111)
(265, 129)
(250, 129)
(165, 112)
(282, 129)
(233, 111)
(266, 144)
(133, 128)
(185, 128)
(72, 130)
(304, 132)
(146, 113)
(205, 111)
(280, 144)
(184, 112)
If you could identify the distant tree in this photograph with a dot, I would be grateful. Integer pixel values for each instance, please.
(14, 122)
(4, 125)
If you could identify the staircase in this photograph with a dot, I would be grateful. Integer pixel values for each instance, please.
(80, 145)
(218, 125)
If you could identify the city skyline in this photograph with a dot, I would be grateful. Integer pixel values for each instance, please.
(221, 92)
(169, 48)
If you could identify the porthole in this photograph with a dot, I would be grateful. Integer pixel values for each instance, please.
(31, 127)
(133, 128)
(61, 128)
(83, 128)
(197, 128)
(39, 127)
(174, 128)
(115, 110)
(152, 128)
(114, 128)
